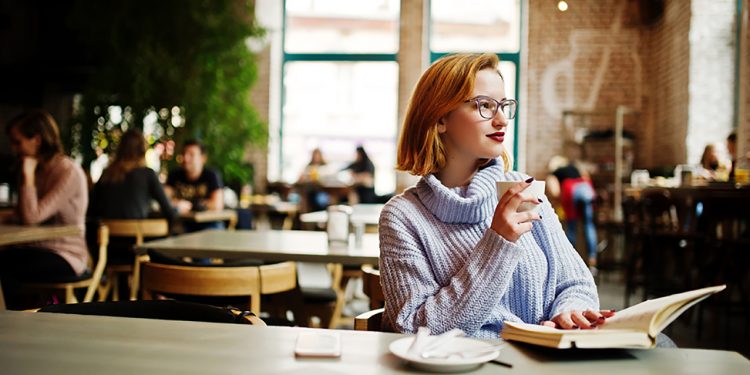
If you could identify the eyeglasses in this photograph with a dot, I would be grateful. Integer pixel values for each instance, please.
(488, 107)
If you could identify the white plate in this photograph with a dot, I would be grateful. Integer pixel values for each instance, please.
(400, 349)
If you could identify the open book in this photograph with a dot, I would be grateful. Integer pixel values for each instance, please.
(634, 327)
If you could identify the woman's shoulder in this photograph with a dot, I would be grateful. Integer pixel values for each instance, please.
(402, 206)
(63, 164)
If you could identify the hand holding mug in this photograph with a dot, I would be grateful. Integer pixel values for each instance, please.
(508, 221)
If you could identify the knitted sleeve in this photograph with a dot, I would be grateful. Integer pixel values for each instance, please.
(574, 286)
(413, 296)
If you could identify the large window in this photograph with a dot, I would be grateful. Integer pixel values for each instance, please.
(340, 85)
(340, 75)
(481, 26)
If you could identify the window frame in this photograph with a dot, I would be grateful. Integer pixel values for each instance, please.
(317, 57)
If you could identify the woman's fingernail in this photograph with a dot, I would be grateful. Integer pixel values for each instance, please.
(528, 180)
(601, 319)
(612, 310)
(575, 327)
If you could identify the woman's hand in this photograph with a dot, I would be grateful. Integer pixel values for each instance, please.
(29, 170)
(507, 221)
(579, 319)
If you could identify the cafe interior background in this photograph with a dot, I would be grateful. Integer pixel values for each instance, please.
(639, 84)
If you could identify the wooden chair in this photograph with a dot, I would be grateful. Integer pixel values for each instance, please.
(370, 321)
(668, 227)
(138, 230)
(90, 279)
(251, 281)
(320, 293)
(162, 309)
(371, 286)
(202, 281)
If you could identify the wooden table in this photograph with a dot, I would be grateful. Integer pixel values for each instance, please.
(211, 215)
(16, 234)
(45, 343)
(363, 214)
(263, 205)
(272, 245)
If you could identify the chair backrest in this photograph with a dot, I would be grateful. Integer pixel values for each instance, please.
(138, 229)
(277, 278)
(370, 321)
(202, 281)
(371, 286)
(164, 309)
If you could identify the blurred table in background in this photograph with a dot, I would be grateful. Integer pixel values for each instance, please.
(268, 245)
(364, 214)
(266, 207)
(18, 234)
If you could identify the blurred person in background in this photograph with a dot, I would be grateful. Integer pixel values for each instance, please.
(194, 187)
(732, 150)
(713, 166)
(52, 191)
(363, 177)
(125, 191)
(312, 174)
(571, 186)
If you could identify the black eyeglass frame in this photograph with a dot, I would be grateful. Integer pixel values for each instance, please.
(512, 103)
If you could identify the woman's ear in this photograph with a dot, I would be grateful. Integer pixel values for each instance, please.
(441, 128)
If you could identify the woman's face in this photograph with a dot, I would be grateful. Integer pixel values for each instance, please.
(468, 136)
(23, 146)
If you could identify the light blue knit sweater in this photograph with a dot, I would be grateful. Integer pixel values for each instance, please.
(443, 267)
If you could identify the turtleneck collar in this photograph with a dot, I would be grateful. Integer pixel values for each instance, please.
(462, 205)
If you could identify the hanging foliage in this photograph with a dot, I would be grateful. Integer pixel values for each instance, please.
(178, 69)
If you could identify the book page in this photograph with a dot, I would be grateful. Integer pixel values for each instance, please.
(646, 316)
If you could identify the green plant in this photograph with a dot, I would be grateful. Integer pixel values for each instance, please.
(186, 57)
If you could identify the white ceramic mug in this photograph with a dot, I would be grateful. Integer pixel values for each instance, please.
(536, 190)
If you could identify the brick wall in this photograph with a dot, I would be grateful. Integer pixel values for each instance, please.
(587, 58)
(666, 95)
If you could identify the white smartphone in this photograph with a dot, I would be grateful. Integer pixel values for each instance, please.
(318, 344)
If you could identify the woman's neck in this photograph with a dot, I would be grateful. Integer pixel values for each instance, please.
(457, 173)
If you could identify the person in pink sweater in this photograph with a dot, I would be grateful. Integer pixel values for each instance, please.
(52, 191)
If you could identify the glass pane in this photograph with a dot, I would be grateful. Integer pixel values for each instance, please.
(508, 70)
(475, 26)
(342, 26)
(336, 106)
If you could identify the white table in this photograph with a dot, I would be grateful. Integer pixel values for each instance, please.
(363, 214)
(45, 343)
(272, 245)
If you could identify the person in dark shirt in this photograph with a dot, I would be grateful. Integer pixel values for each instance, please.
(125, 191)
(576, 194)
(195, 187)
(732, 150)
(363, 175)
